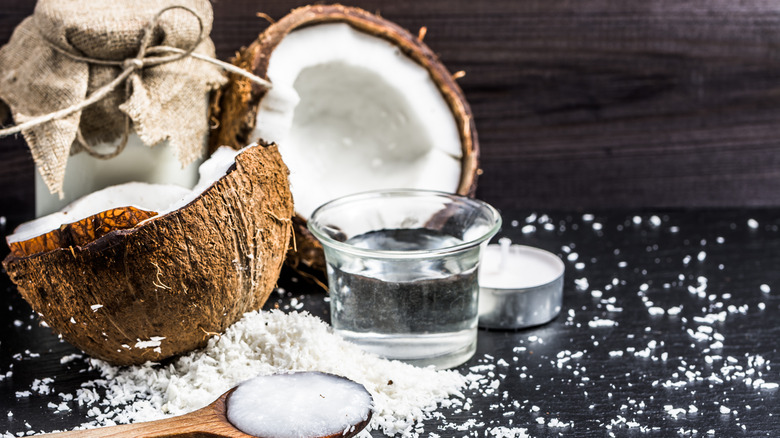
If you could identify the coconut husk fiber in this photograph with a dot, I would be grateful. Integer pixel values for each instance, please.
(175, 279)
(52, 62)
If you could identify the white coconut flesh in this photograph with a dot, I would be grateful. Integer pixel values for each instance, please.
(161, 198)
(350, 112)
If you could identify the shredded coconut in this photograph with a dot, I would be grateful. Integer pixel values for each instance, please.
(506, 432)
(153, 342)
(263, 343)
(602, 323)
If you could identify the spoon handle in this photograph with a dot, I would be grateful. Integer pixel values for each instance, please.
(209, 421)
(172, 427)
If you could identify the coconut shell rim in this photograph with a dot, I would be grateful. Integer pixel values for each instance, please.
(118, 234)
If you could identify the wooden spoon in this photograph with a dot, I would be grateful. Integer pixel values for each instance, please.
(209, 422)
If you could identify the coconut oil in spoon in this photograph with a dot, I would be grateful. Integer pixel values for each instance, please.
(300, 405)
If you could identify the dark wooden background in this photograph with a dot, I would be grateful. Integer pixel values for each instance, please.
(579, 104)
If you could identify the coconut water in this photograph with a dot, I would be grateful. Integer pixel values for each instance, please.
(422, 310)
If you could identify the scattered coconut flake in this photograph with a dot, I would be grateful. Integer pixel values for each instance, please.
(70, 358)
(153, 342)
(581, 283)
(508, 432)
(674, 412)
(710, 318)
(752, 223)
(554, 422)
(602, 323)
(613, 308)
(765, 288)
(41, 386)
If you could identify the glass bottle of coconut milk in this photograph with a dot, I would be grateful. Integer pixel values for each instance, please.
(85, 174)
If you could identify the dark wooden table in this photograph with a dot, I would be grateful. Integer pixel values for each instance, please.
(707, 366)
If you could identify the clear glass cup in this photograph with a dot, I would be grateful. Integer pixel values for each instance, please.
(402, 271)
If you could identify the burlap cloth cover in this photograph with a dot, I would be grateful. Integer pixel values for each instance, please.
(165, 102)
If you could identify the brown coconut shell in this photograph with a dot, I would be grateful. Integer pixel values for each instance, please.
(183, 276)
(83, 231)
(235, 108)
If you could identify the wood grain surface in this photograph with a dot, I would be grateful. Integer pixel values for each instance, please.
(663, 311)
(579, 104)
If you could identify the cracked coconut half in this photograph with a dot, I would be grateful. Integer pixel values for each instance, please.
(357, 104)
(141, 272)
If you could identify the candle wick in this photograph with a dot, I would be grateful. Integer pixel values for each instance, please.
(505, 243)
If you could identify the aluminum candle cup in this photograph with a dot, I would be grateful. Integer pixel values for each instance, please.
(402, 271)
(520, 286)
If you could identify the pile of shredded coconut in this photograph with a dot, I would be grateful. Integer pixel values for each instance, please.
(264, 343)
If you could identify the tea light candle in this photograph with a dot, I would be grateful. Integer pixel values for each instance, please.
(520, 286)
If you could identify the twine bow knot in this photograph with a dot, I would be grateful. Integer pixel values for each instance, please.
(133, 63)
